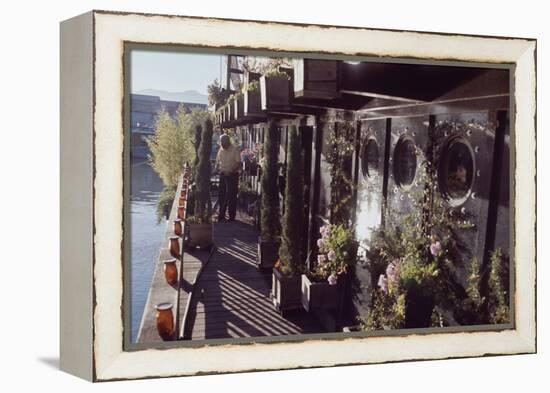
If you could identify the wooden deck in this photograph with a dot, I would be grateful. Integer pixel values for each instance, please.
(231, 297)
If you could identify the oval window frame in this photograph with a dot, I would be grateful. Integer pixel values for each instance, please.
(396, 151)
(365, 162)
(442, 170)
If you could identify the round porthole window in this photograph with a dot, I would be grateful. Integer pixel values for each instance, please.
(370, 158)
(404, 162)
(456, 170)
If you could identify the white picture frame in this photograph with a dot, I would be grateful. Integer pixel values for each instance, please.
(92, 97)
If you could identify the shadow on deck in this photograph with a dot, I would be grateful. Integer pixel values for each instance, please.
(231, 298)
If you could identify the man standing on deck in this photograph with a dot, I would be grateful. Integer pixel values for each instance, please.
(228, 162)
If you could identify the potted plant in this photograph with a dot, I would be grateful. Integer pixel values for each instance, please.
(276, 90)
(286, 273)
(238, 105)
(417, 264)
(269, 242)
(200, 224)
(230, 110)
(253, 99)
(337, 255)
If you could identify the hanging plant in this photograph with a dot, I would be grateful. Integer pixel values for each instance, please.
(253, 86)
(276, 73)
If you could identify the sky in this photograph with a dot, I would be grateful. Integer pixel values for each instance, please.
(173, 71)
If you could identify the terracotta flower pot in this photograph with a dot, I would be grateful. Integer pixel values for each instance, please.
(178, 227)
(171, 271)
(174, 246)
(165, 321)
(181, 212)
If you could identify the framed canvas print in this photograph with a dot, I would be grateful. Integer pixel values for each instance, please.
(245, 195)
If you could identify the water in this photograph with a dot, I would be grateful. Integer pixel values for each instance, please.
(146, 236)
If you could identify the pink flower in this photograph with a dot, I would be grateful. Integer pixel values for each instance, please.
(435, 248)
(331, 255)
(332, 279)
(325, 231)
(320, 244)
(321, 258)
(383, 283)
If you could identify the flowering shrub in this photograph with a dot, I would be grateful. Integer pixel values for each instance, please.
(416, 255)
(337, 252)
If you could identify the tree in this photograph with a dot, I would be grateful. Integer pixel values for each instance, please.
(203, 206)
(170, 149)
(215, 93)
(173, 142)
(291, 242)
(269, 202)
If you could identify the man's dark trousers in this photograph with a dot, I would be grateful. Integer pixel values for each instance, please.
(228, 194)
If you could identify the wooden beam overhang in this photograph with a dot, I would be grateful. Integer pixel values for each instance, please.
(412, 83)
(468, 104)
(343, 102)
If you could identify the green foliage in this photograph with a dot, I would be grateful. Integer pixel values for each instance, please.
(499, 298)
(276, 73)
(196, 145)
(203, 205)
(290, 255)
(416, 275)
(264, 64)
(164, 204)
(170, 149)
(269, 204)
(495, 306)
(253, 86)
(339, 157)
(172, 144)
(475, 299)
(385, 312)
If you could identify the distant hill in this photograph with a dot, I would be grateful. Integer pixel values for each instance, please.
(188, 96)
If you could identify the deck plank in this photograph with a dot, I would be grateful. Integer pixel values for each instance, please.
(231, 298)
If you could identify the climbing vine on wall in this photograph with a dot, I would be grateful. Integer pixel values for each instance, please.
(339, 157)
